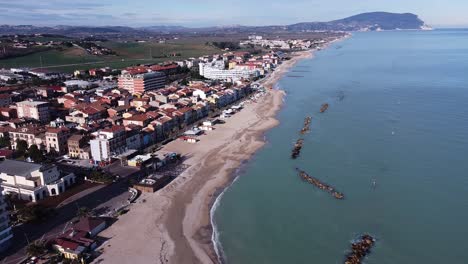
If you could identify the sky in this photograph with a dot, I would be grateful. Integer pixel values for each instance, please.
(200, 13)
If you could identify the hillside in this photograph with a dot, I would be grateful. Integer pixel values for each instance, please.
(366, 21)
(361, 22)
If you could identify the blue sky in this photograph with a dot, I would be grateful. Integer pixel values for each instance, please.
(193, 13)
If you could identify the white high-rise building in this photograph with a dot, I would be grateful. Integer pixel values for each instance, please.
(216, 71)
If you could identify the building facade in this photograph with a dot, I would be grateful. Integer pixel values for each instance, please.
(215, 72)
(5, 230)
(32, 135)
(56, 140)
(34, 109)
(77, 147)
(108, 143)
(140, 83)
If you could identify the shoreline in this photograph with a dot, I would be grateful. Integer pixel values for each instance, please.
(193, 239)
(178, 219)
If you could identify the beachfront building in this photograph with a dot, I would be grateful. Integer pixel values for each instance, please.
(140, 83)
(32, 182)
(5, 229)
(108, 143)
(80, 238)
(216, 71)
(34, 110)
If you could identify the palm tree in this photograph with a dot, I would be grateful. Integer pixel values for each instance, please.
(35, 249)
(83, 212)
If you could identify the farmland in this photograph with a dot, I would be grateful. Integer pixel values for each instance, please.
(128, 53)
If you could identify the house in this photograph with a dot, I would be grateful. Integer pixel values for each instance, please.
(8, 113)
(91, 226)
(78, 147)
(33, 182)
(72, 244)
(86, 114)
(138, 120)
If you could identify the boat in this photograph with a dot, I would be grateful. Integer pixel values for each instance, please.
(322, 186)
(360, 249)
(324, 108)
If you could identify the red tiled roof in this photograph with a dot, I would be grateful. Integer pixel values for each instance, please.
(164, 67)
(113, 129)
(67, 244)
(141, 117)
(57, 130)
(88, 224)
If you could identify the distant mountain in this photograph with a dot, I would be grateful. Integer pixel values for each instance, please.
(64, 30)
(164, 28)
(366, 22)
(362, 22)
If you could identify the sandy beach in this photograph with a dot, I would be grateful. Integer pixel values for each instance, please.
(173, 224)
(270, 81)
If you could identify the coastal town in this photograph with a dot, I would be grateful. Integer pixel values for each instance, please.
(81, 151)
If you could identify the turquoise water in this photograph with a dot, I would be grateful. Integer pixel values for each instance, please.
(398, 114)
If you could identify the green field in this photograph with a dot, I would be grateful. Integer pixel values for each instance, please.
(129, 53)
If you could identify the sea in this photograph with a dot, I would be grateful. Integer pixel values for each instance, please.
(394, 141)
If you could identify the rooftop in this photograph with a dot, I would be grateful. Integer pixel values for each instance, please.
(32, 103)
(88, 224)
(18, 168)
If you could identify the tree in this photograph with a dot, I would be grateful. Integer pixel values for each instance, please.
(33, 214)
(53, 152)
(4, 142)
(36, 249)
(83, 212)
(21, 146)
(184, 82)
(12, 81)
(35, 154)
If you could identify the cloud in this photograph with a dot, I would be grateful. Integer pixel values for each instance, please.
(213, 12)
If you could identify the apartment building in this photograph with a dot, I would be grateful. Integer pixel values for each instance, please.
(34, 109)
(31, 134)
(108, 143)
(215, 72)
(140, 83)
(56, 140)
